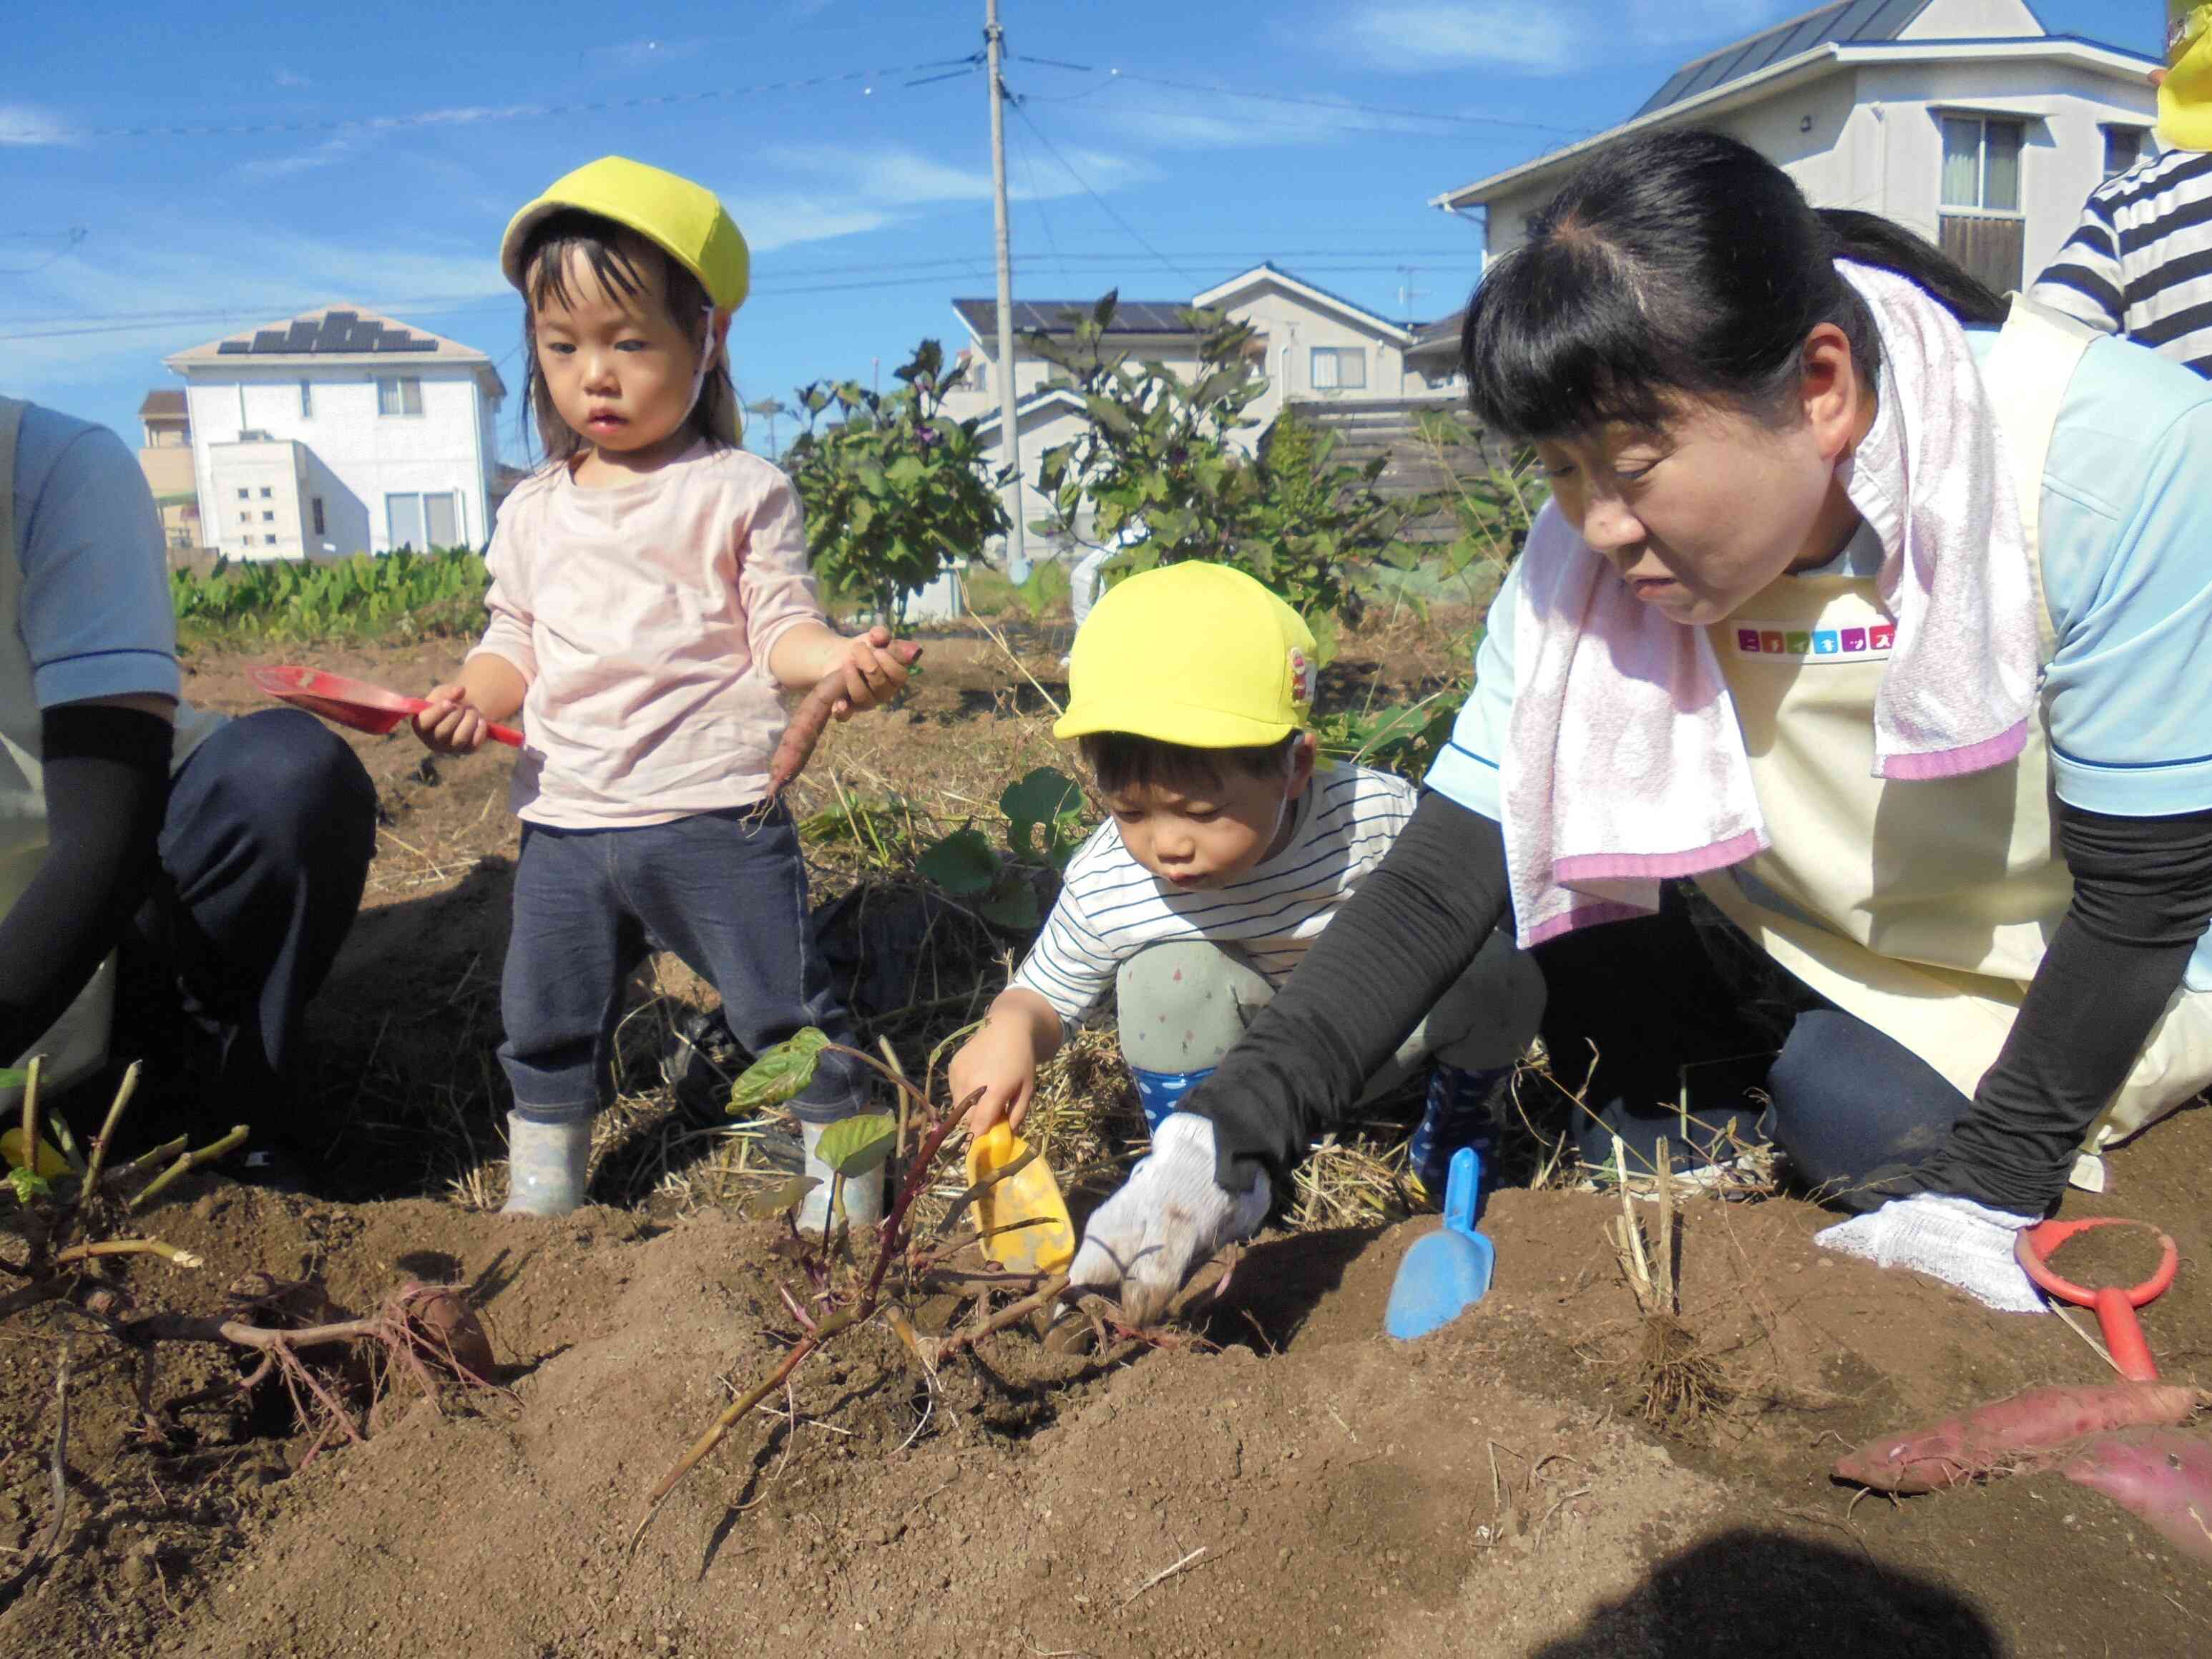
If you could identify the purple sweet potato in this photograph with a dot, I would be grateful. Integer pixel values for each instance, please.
(2009, 1435)
(2163, 1475)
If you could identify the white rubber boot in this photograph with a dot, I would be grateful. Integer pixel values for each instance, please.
(863, 1196)
(545, 1164)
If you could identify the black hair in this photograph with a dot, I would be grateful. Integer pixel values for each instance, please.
(1679, 264)
(609, 250)
(1123, 760)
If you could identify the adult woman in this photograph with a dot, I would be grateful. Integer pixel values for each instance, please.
(1889, 629)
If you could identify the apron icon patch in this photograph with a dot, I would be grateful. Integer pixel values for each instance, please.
(1871, 643)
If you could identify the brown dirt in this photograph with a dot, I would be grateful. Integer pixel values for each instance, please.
(1486, 1491)
(2109, 1255)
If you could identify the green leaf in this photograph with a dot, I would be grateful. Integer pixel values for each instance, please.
(855, 1146)
(1103, 313)
(14, 1077)
(28, 1184)
(1012, 904)
(905, 472)
(962, 864)
(1041, 797)
(766, 1207)
(779, 1075)
(1104, 412)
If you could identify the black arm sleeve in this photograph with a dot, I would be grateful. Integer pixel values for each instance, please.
(2142, 895)
(107, 783)
(1408, 933)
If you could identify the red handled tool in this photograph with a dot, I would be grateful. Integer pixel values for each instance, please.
(355, 703)
(2116, 1308)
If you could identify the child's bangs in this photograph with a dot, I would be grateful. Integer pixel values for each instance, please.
(1556, 343)
(600, 241)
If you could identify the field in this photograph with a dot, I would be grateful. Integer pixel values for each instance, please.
(1279, 1478)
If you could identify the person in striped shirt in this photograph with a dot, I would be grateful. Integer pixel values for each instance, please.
(2139, 262)
(1224, 856)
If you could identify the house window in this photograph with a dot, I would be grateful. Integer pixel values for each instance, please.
(317, 503)
(269, 541)
(1338, 368)
(306, 401)
(424, 521)
(244, 494)
(268, 518)
(398, 395)
(265, 492)
(2123, 148)
(1981, 163)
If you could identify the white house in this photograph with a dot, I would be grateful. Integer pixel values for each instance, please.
(341, 432)
(1314, 348)
(1966, 120)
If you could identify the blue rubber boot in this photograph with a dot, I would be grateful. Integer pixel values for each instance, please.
(1161, 1092)
(1457, 1115)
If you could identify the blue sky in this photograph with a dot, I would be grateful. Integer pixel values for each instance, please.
(865, 197)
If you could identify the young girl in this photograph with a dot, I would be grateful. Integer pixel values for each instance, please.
(649, 600)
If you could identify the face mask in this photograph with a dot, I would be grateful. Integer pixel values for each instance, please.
(2184, 102)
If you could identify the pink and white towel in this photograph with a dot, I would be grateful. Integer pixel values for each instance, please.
(1625, 763)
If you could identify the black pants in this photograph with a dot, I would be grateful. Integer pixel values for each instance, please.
(265, 849)
(1645, 1018)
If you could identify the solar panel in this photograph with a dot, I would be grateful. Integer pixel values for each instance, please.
(1844, 23)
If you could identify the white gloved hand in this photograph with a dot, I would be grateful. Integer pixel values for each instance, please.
(1169, 1216)
(1954, 1239)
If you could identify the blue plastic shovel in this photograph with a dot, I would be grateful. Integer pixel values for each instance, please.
(1448, 1271)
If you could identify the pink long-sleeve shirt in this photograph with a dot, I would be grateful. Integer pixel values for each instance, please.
(641, 618)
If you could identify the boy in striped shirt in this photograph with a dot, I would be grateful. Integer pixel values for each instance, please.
(1224, 856)
(2139, 262)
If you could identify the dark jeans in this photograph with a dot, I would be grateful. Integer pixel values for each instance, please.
(725, 891)
(264, 849)
(1682, 1007)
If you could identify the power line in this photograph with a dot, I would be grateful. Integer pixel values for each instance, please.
(1340, 105)
(474, 115)
(1108, 208)
(70, 238)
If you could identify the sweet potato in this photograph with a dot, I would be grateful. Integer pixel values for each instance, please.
(2164, 1475)
(2027, 1430)
(811, 718)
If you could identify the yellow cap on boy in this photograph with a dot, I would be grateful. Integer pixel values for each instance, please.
(686, 220)
(1193, 654)
(2185, 98)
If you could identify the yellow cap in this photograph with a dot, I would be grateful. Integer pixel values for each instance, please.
(1194, 653)
(687, 220)
(2185, 99)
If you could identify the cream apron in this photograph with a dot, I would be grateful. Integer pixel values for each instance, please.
(76, 1044)
(1923, 908)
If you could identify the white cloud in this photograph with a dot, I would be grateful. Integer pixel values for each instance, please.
(326, 154)
(21, 123)
(771, 221)
(893, 179)
(1418, 40)
(291, 78)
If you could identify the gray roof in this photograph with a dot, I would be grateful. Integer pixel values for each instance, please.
(1130, 316)
(331, 331)
(1846, 23)
(1442, 335)
(163, 406)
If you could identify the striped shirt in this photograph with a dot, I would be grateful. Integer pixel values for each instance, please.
(2139, 262)
(1111, 907)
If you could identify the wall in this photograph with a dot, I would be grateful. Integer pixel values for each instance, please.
(374, 455)
(166, 461)
(1974, 19)
(256, 491)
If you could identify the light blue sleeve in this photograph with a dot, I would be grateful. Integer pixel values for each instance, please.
(94, 613)
(2127, 536)
(1466, 772)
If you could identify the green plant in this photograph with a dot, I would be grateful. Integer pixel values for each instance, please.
(1159, 451)
(894, 490)
(402, 595)
(1045, 827)
(1405, 739)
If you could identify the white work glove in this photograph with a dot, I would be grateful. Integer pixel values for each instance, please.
(1168, 1217)
(1954, 1239)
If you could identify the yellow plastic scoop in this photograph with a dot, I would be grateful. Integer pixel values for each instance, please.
(1030, 1194)
(51, 1163)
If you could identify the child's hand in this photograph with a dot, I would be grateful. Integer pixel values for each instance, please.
(452, 724)
(1000, 1061)
(872, 674)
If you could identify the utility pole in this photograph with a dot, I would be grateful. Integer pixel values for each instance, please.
(1010, 437)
